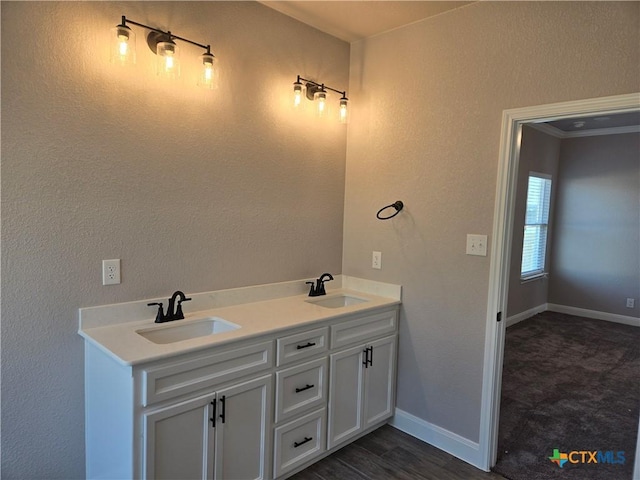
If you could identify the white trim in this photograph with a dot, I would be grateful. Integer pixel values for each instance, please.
(583, 312)
(518, 317)
(556, 132)
(512, 121)
(456, 445)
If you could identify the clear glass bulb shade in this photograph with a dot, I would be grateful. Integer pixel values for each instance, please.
(209, 72)
(321, 98)
(123, 45)
(297, 94)
(344, 112)
(168, 59)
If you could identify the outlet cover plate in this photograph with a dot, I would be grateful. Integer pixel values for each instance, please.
(111, 272)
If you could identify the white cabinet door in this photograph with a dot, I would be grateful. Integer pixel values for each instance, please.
(242, 432)
(179, 441)
(361, 388)
(346, 375)
(379, 397)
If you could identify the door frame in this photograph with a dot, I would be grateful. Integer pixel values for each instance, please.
(510, 139)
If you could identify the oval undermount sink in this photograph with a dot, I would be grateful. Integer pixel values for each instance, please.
(187, 331)
(336, 301)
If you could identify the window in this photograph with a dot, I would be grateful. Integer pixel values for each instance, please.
(536, 224)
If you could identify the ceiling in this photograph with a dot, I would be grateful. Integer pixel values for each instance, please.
(354, 20)
(627, 122)
(597, 122)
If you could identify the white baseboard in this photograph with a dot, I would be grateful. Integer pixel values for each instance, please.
(583, 312)
(518, 317)
(450, 442)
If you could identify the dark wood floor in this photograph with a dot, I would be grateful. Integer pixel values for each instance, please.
(388, 453)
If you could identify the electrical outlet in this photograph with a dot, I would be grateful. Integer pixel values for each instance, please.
(376, 260)
(111, 272)
(631, 302)
(477, 245)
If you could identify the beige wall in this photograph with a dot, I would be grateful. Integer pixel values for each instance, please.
(425, 129)
(539, 153)
(595, 255)
(191, 191)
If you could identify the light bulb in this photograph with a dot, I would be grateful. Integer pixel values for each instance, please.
(321, 96)
(123, 47)
(168, 59)
(297, 94)
(209, 74)
(343, 109)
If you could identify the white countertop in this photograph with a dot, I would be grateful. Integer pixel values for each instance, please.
(255, 318)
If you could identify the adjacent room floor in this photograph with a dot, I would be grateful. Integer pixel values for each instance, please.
(569, 384)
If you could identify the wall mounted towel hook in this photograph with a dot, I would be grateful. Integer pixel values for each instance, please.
(398, 205)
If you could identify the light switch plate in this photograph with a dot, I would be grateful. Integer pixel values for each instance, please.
(477, 245)
(376, 260)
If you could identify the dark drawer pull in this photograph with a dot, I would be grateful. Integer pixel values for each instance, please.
(298, 390)
(213, 419)
(306, 439)
(310, 344)
(223, 403)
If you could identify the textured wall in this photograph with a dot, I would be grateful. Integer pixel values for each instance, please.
(538, 153)
(595, 262)
(428, 100)
(191, 190)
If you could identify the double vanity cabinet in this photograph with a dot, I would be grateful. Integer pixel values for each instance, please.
(261, 407)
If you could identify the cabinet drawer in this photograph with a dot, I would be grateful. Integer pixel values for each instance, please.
(364, 328)
(175, 379)
(302, 345)
(300, 388)
(299, 441)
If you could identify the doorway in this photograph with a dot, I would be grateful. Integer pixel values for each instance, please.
(510, 141)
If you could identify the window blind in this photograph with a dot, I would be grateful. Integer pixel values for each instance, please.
(536, 225)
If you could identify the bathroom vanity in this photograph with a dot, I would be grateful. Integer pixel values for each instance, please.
(254, 389)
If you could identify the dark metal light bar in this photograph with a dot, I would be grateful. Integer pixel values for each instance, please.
(321, 85)
(170, 35)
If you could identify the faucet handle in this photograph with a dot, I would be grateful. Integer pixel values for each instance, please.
(160, 315)
(179, 314)
(312, 292)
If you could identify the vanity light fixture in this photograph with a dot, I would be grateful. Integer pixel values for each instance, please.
(162, 44)
(318, 91)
